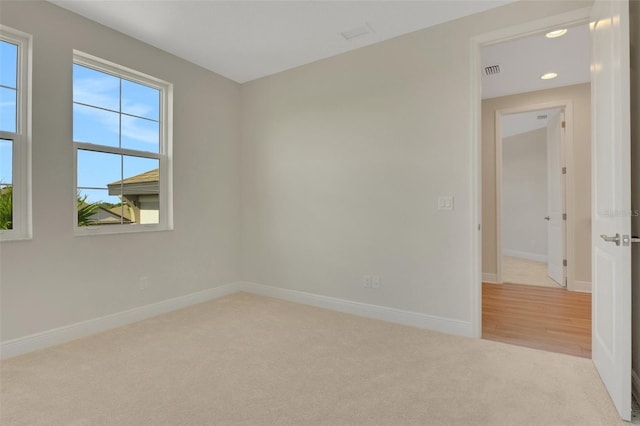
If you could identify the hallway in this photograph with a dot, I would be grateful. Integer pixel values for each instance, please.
(550, 319)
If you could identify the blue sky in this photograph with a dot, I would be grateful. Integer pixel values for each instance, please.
(111, 111)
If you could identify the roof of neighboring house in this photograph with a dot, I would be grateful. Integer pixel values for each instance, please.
(144, 183)
(121, 211)
(108, 216)
(150, 176)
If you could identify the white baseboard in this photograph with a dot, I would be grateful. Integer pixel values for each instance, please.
(581, 286)
(415, 319)
(635, 385)
(56, 336)
(536, 257)
(489, 278)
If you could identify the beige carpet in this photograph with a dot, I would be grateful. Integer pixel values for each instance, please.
(250, 360)
(523, 271)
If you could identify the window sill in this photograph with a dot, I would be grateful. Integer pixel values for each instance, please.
(14, 236)
(118, 229)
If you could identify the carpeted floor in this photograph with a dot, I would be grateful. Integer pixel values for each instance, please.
(250, 360)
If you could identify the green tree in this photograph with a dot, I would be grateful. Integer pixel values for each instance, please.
(86, 210)
(6, 207)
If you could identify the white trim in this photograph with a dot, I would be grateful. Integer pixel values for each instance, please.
(21, 145)
(536, 257)
(497, 135)
(56, 336)
(475, 100)
(415, 319)
(475, 189)
(635, 386)
(490, 278)
(581, 286)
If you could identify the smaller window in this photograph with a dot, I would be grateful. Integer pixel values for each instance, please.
(121, 138)
(15, 134)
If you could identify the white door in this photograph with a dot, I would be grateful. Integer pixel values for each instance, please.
(611, 200)
(555, 199)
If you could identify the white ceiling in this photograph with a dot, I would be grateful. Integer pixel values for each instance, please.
(246, 40)
(514, 124)
(523, 61)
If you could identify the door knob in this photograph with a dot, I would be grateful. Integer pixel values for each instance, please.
(615, 239)
(547, 218)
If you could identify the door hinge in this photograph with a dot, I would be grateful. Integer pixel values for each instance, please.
(564, 170)
(564, 124)
(564, 262)
(564, 216)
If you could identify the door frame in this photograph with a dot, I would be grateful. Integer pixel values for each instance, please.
(568, 190)
(574, 17)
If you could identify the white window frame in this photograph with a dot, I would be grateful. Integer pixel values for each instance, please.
(164, 155)
(21, 147)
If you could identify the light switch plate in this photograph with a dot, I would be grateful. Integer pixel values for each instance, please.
(445, 202)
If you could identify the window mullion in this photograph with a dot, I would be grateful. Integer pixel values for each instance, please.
(114, 150)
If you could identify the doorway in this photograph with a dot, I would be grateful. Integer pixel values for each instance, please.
(531, 188)
(539, 237)
(611, 344)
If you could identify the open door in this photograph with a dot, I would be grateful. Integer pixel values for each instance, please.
(611, 200)
(555, 199)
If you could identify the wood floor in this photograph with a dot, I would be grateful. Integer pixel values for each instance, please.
(550, 319)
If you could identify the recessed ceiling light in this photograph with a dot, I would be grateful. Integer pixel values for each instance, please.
(549, 76)
(556, 33)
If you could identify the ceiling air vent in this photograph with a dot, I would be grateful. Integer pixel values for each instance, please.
(492, 70)
(358, 32)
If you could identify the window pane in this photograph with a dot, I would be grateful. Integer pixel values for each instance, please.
(108, 211)
(96, 88)
(141, 188)
(140, 134)
(6, 162)
(95, 126)
(6, 188)
(140, 100)
(8, 64)
(7, 109)
(97, 170)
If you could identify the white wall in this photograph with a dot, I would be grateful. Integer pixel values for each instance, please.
(524, 195)
(57, 279)
(343, 162)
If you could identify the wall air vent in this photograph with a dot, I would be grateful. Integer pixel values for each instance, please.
(542, 117)
(492, 70)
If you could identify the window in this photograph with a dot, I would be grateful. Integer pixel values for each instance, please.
(122, 145)
(15, 134)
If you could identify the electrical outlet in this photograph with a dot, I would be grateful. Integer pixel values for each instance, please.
(366, 281)
(143, 283)
(375, 281)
